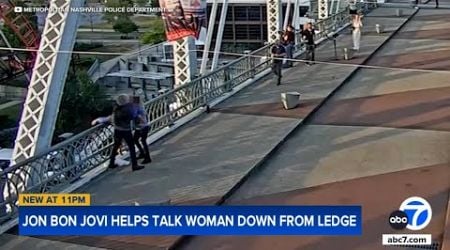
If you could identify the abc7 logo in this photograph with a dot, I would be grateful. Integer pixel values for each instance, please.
(415, 213)
(398, 220)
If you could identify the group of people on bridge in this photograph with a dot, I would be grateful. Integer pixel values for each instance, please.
(283, 49)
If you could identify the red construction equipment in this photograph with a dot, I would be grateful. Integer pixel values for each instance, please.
(25, 32)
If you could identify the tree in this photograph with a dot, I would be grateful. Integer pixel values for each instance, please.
(12, 38)
(141, 3)
(125, 26)
(156, 35)
(153, 37)
(155, 4)
(81, 102)
(112, 17)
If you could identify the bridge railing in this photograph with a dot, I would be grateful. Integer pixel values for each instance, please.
(332, 24)
(93, 67)
(66, 162)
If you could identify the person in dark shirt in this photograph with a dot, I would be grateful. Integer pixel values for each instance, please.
(278, 53)
(289, 42)
(308, 37)
(141, 132)
(124, 114)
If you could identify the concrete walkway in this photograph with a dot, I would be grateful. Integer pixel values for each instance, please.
(384, 137)
(202, 161)
(184, 170)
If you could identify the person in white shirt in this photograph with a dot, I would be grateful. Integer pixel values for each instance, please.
(357, 26)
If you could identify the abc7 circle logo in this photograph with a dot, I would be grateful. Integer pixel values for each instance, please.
(398, 220)
(415, 213)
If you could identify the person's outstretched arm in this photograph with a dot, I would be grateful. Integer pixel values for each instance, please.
(101, 120)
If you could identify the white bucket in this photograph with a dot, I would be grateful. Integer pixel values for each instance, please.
(290, 100)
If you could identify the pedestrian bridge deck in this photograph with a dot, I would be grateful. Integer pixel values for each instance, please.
(202, 161)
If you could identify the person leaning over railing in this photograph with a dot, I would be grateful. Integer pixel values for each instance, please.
(122, 119)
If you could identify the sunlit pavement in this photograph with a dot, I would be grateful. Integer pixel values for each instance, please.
(383, 138)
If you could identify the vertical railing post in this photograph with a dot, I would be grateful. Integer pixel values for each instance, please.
(227, 79)
(251, 66)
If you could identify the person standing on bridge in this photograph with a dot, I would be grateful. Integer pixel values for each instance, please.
(308, 38)
(357, 25)
(141, 131)
(278, 53)
(122, 118)
(289, 43)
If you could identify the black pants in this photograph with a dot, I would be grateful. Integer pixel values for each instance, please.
(3, 208)
(127, 136)
(310, 53)
(277, 66)
(140, 139)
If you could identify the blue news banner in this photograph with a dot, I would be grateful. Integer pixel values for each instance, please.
(191, 220)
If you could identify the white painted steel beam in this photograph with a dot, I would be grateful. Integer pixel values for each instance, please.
(273, 20)
(185, 60)
(286, 16)
(223, 17)
(47, 82)
(209, 35)
(323, 9)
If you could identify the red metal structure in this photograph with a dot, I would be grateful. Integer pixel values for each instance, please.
(28, 36)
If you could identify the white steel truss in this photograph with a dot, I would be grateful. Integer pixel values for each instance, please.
(185, 60)
(47, 82)
(273, 20)
(323, 9)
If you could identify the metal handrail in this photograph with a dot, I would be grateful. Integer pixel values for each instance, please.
(93, 67)
(65, 162)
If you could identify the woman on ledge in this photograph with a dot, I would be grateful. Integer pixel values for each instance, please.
(357, 25)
